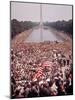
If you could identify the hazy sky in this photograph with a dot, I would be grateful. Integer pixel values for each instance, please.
(31, 11)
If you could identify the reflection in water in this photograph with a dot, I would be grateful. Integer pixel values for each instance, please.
(47, 35)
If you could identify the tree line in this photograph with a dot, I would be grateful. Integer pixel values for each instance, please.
(20, 26)
(65, 26)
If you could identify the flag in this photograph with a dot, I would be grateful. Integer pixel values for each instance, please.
(39, 74)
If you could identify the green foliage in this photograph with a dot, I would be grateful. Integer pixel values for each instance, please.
(66, 26)
(20, 26)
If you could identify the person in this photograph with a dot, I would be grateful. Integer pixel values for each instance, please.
(33, 92)
(44, 90)
(53, 89)
(56, 80)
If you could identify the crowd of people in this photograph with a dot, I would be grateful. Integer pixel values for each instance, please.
(39, 70)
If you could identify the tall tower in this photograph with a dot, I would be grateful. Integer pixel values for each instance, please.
(41, 24)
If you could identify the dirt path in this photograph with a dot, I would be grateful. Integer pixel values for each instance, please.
(20, 38)
(61, 34)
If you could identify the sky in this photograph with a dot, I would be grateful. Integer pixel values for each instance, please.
(31, 12)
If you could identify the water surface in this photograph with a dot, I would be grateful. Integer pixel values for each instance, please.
(47, 35)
